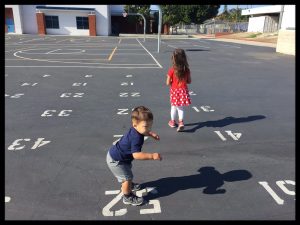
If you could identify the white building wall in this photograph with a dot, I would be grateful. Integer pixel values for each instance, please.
(256, 24)
(102, 19)
(29, 19)
(25, 19)
(288, 17)
(17, 18)
(67, 23)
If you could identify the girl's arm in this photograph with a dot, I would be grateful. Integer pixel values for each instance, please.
(146, 156)
(168, 81)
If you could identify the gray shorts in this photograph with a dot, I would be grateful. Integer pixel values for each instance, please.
(121, 170)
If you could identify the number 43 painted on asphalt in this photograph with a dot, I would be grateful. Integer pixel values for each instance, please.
(38, 143)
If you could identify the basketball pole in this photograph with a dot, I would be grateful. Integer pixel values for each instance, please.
(159, 26)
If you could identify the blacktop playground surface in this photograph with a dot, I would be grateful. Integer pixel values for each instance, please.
(68, 99)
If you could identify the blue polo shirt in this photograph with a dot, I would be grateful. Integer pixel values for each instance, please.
(130, 143)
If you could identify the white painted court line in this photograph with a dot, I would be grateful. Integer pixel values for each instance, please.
(201, 46)
(172, 46)
(63, 40)
(111, 67)
(52, 51)
(150, 54)
(232, 46)
(30, 40)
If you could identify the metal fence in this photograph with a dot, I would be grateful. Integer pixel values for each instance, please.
(211, 27)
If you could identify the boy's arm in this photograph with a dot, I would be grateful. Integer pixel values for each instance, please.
(153, 135)
(146, 156)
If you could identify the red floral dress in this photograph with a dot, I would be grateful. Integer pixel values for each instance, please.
(179, 92)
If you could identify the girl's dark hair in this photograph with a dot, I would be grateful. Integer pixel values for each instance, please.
(180, 63)
(141, 113)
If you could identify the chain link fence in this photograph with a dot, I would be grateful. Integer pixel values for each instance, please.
(210, 27)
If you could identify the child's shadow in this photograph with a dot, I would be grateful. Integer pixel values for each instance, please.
(221, 123)
(209, 179)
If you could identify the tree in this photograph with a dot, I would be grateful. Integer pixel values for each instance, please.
(174, 14)
(142, 9)
(233, 15)
(171, 16)
(198, 13)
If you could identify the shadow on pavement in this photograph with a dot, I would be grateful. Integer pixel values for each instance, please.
(221, 123)
(208, 178)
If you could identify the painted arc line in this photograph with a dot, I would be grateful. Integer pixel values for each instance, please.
(50, 60)
(113, 67)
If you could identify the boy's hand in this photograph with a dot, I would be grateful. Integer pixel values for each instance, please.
(156, 156)
(154, 135)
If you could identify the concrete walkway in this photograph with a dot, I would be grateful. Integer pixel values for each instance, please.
(210, 37)
(246, 42)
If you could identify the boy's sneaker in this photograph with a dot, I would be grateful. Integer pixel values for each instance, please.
(180, 126)
(172, 123)
(132, 200)
(135, 187)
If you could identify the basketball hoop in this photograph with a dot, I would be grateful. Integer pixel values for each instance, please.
(124, 14)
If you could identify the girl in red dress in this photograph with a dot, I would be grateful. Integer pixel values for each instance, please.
(178, 77)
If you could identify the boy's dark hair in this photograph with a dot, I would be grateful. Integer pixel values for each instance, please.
(141, 113)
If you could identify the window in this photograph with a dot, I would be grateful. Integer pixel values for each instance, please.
(82, 22)
(52, 22)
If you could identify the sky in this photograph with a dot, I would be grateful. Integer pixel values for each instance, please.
(221, 9)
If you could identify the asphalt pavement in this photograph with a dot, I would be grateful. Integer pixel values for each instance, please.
(67, 99)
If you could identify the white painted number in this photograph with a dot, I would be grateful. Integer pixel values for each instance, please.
(79, 84)
(133, 94)
(234, 136)
(106, 211)
(126, 83)
(62, 113)
(205, 108)
(122, 111)
(29, 84)
(280, 184)
(37, 144)
(75, 95)
(18, 95)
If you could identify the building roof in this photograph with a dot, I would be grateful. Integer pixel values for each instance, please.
(39, 7)
(262, 10)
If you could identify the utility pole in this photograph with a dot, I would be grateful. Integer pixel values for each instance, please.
(159, 26)
(236, 18)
